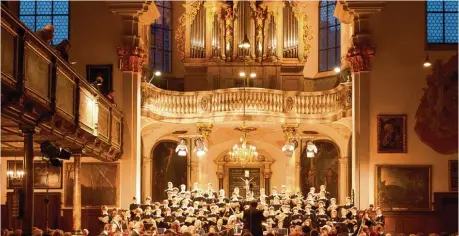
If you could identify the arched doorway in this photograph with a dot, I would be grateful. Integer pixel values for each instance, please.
(167, 167)
(320, 170)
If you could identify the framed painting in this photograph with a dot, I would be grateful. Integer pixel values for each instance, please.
(40, 177)
(453, 175)
(392, 134)
(99, 184)
(403, 187)
(103, 71)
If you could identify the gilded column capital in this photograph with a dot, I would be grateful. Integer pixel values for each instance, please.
(204, 129)
(131, 58)
(359, 55)
(290, 129)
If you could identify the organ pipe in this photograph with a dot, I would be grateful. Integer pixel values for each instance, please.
(290, 33)
(198, 34)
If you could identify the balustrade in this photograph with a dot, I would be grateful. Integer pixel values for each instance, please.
(41, 88)
(321, 106)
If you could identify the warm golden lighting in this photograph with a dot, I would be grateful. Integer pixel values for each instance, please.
(337, 69)
(242, 74)
(244, 153)
(245, 43)
(427, 61)
(253, 75)
(157, 73)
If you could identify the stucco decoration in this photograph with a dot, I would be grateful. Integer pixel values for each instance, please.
(299, 9)
(359, 56)
(131, 58)
(436, 117)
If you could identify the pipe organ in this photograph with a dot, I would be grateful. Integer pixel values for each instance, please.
(264, 22)
(290, 33)
(198, 34)
(210, 32)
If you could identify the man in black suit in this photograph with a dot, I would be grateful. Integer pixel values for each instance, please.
(253, 218)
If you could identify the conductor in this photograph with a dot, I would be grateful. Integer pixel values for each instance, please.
(253, 218)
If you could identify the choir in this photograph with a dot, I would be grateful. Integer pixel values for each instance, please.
(209, 211)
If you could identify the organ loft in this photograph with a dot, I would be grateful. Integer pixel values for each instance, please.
(229, 117)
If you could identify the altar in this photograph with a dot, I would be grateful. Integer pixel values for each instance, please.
(231, 174)
(237, 177)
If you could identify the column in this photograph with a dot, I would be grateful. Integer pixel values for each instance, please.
(27, 187)
(343, 179)
(147, 170)
(267, 174)
(132, 56)
(358, 55)
(76, 210)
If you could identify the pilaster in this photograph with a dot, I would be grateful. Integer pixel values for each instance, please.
(290, 130)
(358, 13)
(343, 179)
(136, 17)
(203, 129)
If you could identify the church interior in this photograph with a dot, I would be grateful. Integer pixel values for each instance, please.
(317, 106)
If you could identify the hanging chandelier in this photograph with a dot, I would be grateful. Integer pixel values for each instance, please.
(15, 174)
(243, 153)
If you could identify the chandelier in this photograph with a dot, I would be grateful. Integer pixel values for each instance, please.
(243, 153)
(15, 174)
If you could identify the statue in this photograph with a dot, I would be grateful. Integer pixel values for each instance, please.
(229, 18)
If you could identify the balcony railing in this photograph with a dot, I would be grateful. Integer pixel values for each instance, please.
(261, 104)
(41, 89)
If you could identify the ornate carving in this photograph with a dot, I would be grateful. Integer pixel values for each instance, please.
(299, 9)
(187, 18)
(436, 117)
(229, 20)
(289, 104)
(131, 58)
(205, 103)
(180, 36)
(260, 17)
(359, 56)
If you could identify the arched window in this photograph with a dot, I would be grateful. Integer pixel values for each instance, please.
(441, 21)
(161, 37)
(38, 14)
(329, 37)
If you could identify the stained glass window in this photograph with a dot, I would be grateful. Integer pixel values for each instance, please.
(38, 14)
(442, 21)
(161, 38)
(329, 37)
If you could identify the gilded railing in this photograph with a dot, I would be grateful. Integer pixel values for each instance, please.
(43, 90)
(261, 104)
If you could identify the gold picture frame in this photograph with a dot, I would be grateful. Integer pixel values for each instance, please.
(453, 175)
(403, 187)
(392, 134)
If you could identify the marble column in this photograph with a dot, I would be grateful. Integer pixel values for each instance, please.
(76, 210)
(27, 187)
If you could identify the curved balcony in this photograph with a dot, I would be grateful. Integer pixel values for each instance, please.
(261, 105)
(42, 91)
